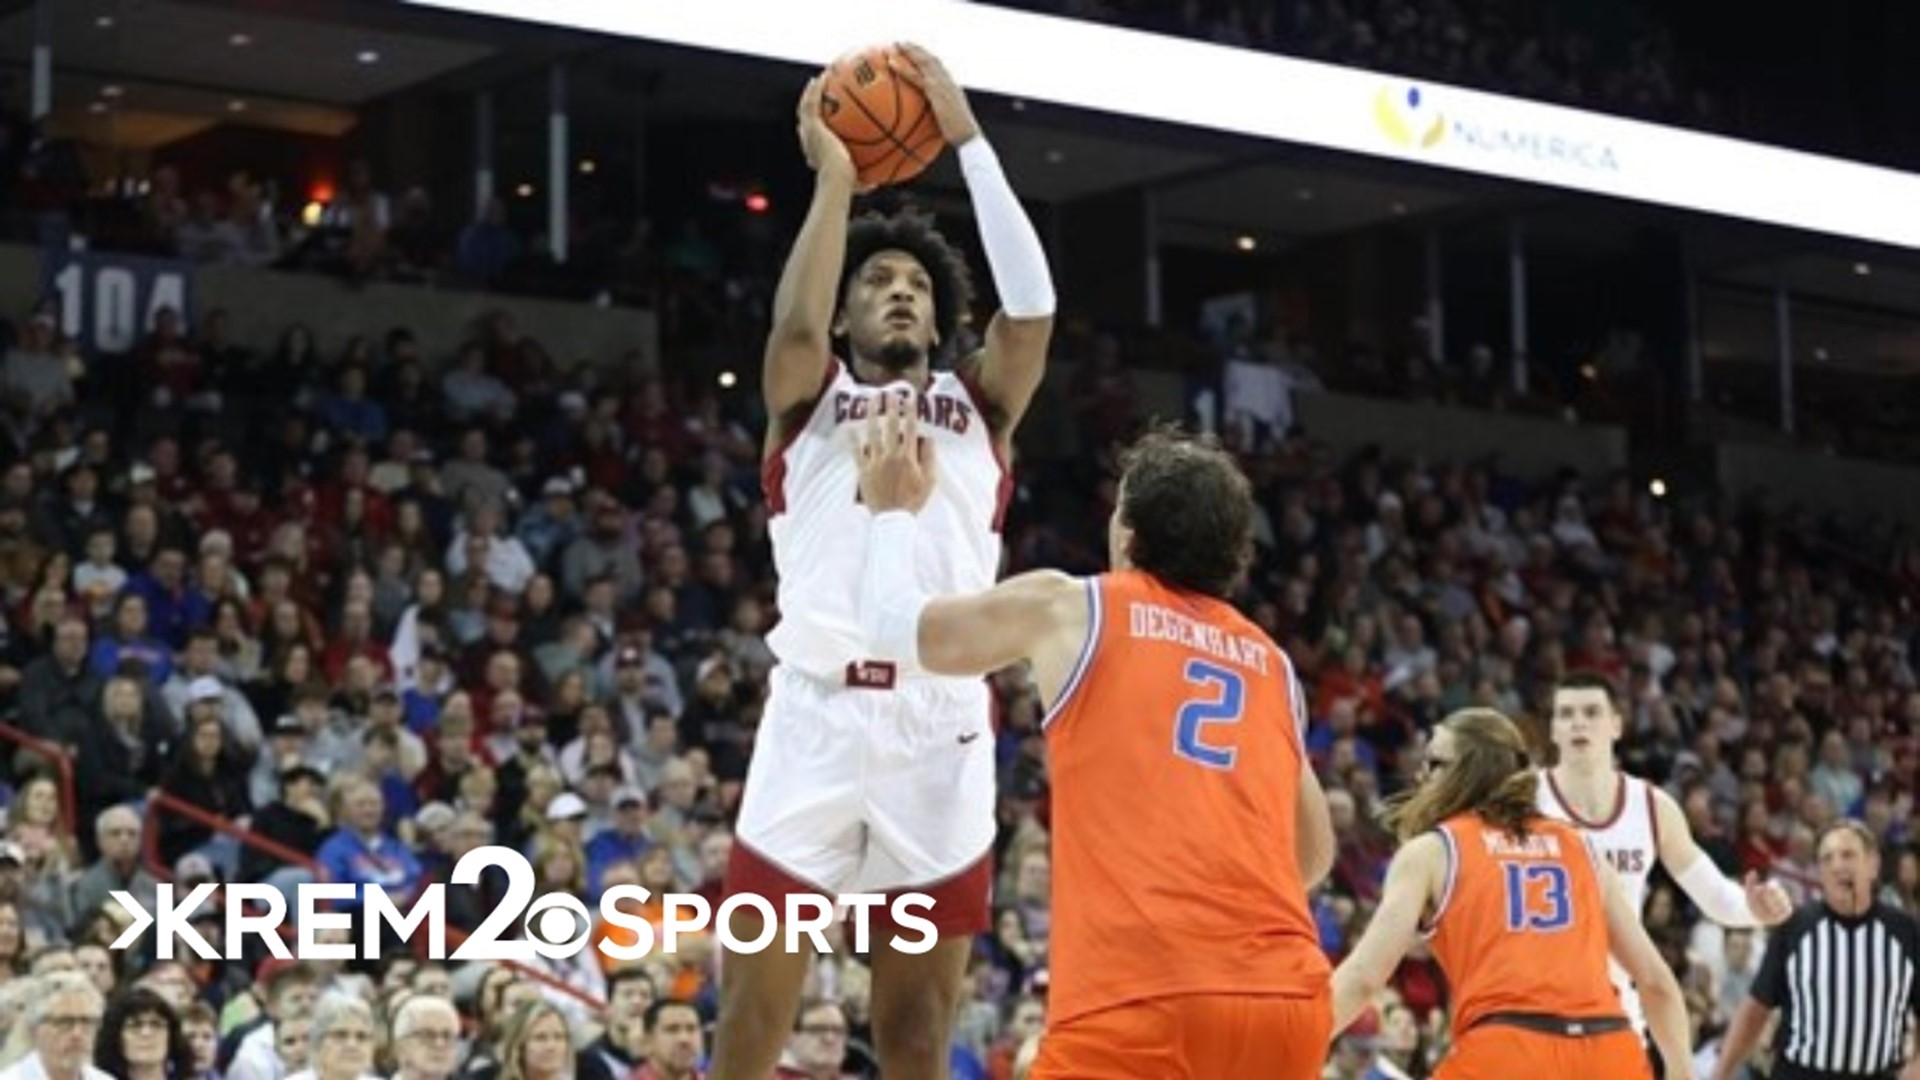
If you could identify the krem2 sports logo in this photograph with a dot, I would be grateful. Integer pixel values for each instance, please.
(555, 926)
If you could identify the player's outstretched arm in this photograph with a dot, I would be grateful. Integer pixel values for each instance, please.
(1736, 904)
(1015, 357)
(1414, 880)
(797, 347)
(1041, 616)
(1659, 990)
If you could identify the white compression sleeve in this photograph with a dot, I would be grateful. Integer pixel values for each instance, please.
(1719, 898)
(890, 596)
(1019, 263)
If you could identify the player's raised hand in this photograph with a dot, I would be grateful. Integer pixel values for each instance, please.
(896, 461)
(1767, 900)
(949, 102)
(824, 151)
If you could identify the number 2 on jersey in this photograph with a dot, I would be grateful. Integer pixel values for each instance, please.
(1225, 694)
(1538, 899)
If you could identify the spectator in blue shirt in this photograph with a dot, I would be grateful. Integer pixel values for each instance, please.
(360, 853)
(625, 841)
(128, 640)
(351, 412)
(173, 606)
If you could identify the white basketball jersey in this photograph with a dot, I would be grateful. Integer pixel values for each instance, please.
(1629, 839)
(819, 529)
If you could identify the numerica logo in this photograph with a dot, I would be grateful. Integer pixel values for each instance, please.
(555, 926)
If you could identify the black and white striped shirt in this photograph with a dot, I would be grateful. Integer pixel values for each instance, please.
(1846, 991)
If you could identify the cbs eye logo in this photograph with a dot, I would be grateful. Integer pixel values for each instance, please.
(555, 926)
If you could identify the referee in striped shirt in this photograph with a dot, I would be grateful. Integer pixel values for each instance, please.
(1842, 973)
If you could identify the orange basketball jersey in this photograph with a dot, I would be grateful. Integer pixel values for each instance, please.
(1522, 926)
(1176, 755)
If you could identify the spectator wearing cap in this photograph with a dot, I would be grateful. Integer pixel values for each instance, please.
(61, 1021)
(297, 819)
(386, 713)
(712, 722)
(117, 836)
(624, 841)
(606, 548)
(198, 679)
(642, 681)
(597, 787)
(548, 528)
(567, 819)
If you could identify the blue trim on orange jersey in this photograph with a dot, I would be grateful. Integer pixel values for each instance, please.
(1085, 661)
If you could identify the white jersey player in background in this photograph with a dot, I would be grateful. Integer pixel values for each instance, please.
(1635, 824)
(871, 777)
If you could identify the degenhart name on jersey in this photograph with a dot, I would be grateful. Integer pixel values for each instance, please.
(940, 410)
(1151, 622)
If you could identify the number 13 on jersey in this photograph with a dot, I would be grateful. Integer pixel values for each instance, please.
(1538, 897)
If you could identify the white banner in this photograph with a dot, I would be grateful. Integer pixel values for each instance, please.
(1156, 77)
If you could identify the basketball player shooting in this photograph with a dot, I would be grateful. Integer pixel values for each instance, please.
(872, 776)
(1634, 824)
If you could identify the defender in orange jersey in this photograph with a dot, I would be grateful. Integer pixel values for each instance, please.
(1168, 712)
(1522, 915)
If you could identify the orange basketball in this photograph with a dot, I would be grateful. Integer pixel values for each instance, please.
(884, 119)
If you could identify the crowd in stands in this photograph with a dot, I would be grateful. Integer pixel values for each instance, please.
(381, 608)
(1615, 58)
